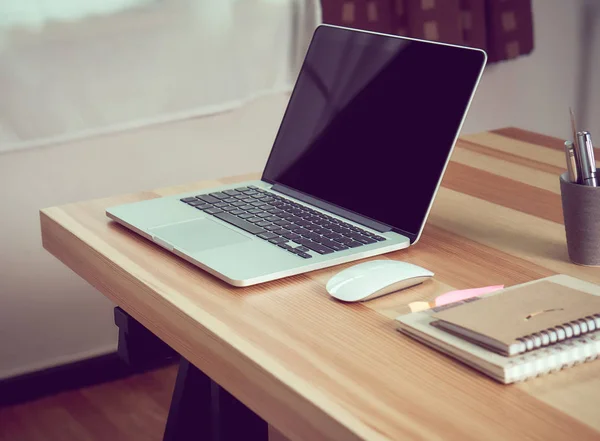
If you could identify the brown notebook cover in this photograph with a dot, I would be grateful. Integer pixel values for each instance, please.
(518, 313)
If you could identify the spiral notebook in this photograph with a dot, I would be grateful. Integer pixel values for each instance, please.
(524, 318)
(425, 327)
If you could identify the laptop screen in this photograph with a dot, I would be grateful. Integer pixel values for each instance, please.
(371, 123)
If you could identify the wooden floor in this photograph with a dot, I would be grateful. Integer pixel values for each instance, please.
(134, 408)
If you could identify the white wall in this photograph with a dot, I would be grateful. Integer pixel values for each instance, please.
(50, 316)
(535, 92)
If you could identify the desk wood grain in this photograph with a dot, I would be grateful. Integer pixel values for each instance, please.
(316, 369)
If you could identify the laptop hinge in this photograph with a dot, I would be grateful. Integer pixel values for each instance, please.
(370, 223)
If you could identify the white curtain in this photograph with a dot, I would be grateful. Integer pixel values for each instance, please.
(75, 72)
(37, 13)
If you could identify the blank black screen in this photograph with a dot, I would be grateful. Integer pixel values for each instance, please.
(371, 123)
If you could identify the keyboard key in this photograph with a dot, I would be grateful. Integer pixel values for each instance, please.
(275, 211)
(240, 223)
(187, 199)
(245, 216)
(320, 239)
(218, 195)
(203, 206)
(273, 227)
(221, 204)
(263, 224)
(334, 236)
(238, 212)
(196, 202)
(317, 247)
(301, 231)
(256, 204)
(285, 246)
(228, 208)
(263, 215)
(278, 240)
(292, 236)
(302, 223)
(363, 239)
(313, 236)
(322, 231)
(303, 255)
(334, 245)
(240, 189)
(267, 235)
(255, 211)
(213, 211)
(231, 192)
(240, 196)
(336, 228)
(272, 218)
(246, 207)
(344, 240)
(303, 249)
(254, 219)
(378, 238)
(248, 200)
(238, 203)
(207, 198)
(230, 200)
(354, 244)
(281, 222)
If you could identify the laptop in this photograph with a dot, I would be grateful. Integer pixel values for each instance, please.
(353, 171)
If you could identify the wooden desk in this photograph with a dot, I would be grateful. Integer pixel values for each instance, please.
(317, 369)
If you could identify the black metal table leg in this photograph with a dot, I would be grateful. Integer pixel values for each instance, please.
(201, 410)
(233, 421)
(190, 412)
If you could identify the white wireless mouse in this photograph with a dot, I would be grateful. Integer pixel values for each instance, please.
(374, 279)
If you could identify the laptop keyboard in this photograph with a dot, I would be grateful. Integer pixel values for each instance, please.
(282, 222)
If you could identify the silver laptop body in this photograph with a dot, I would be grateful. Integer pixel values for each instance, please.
(353, 172)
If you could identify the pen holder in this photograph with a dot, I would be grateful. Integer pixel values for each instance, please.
(581, 211)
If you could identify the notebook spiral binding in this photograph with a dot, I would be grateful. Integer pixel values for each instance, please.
(555, 358)
(559, 333)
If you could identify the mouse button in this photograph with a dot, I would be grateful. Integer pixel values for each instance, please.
(336, 283)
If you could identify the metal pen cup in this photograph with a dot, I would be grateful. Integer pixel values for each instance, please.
(581, 212)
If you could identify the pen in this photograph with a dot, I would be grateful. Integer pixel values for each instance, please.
(587, 161)
(571, 162)
(573, 125)
(576, 146)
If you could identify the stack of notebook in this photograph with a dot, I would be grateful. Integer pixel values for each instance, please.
(519, 332)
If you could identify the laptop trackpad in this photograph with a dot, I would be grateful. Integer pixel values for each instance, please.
(198, 235)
